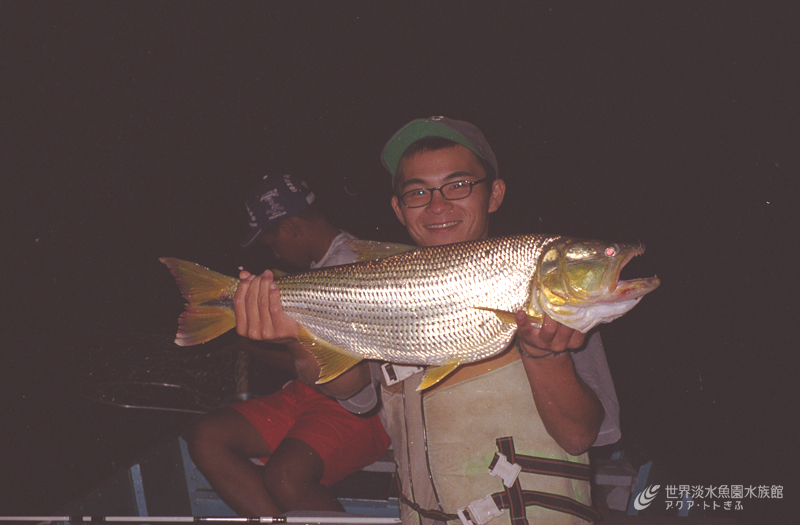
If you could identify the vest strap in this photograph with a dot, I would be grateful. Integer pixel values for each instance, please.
(514, 498)
(542, 466)
(427, 513)
(548, 501)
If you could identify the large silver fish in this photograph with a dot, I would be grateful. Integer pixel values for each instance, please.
(441, 306)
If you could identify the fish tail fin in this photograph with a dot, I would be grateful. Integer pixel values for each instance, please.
(199, 324)
(209, 312)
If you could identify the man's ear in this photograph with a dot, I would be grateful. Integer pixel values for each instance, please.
(498, 192)
(398, 210)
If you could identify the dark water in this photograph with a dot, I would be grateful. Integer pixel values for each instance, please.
(64, 446)
(132, 131)
(79, 406)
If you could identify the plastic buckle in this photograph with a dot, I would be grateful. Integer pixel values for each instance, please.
(396, 373)
(481, 510)
(507, 471)
(463, 517)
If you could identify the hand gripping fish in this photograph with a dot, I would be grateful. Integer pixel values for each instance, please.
(440, 306)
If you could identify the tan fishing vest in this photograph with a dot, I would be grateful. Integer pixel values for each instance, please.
(458, 442)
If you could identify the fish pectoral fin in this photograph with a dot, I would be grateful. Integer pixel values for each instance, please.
(434, 374)
(509, 317)
(371, 250)
(333, 361)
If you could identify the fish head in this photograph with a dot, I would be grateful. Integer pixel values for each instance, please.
(577, 282)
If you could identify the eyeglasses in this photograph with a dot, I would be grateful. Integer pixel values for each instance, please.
(452, 191)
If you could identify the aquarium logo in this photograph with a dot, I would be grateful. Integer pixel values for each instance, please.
(646, 497)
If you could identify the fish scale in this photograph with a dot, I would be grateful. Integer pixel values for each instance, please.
(418, 307)
(440, 306)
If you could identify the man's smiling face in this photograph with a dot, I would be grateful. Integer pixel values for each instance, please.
(445, 221)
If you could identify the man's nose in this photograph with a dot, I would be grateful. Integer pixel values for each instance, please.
(438, 202)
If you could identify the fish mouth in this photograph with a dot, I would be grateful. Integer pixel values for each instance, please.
(632, 288)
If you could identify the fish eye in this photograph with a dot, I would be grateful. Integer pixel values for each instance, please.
(611, 250)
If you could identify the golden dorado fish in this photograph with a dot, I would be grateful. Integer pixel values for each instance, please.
(440, 306)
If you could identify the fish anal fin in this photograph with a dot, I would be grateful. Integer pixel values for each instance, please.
(434, 374)
(509, 317)
(333, 361)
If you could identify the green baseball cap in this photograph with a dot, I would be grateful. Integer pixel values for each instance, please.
(458, 131)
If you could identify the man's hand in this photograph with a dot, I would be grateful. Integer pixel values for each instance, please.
(552, 336)
(259, 313)
(569, 409)
(259, 316)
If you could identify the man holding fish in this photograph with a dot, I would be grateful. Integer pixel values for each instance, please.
(540, 404)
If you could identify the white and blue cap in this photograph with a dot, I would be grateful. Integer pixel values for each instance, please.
(277, 197)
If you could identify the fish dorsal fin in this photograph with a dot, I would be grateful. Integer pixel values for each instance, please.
(510, 317)
(434, 374)
(371, 250)
(278, 273)
(333, 361)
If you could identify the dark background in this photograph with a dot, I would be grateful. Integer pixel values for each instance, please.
(134, 130)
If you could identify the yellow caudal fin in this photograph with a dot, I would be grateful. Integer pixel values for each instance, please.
(209, 312)
(198, 324)
(509, 317)
(333, 361)
(434, 374)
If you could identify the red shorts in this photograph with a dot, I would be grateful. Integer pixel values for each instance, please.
(346, 442)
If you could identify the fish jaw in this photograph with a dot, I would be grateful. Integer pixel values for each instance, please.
(584, 318)
(578, 283)
(633, 289)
